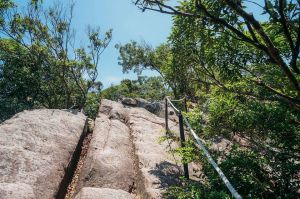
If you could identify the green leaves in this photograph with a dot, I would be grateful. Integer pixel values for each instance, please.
(188, 153)
(195, 118)
(36, 2)
(6, 4)
(243, 70)
(92, 104)
(149, 88)
(39, 61)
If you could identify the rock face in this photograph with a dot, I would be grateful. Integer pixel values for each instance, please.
(123, 159)
(103, 193)
(35, 148)
(129, 101)
(125, 155)
(156, 108)
(109, 163)
(158, 169)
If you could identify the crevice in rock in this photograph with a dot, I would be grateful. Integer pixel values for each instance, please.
(69, 181)
(138, 187)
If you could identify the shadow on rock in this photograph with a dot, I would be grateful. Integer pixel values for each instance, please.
(167, 173)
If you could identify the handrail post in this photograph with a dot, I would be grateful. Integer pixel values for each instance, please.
(185, 105)
(166, 115)
(182, 139)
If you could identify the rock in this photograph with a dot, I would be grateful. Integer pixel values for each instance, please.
(221, 144)
(8, 191)
(103, 193)
(118, 112)
(242, 140)
(109, 162)
(141, 102)
(35, 149)
(129, 101)
(171, 113)
(90, 125)
(154, 107)
(158, 167)
(125, 154)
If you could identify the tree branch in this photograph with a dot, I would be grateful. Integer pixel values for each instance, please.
(273, 51)
(295, 52)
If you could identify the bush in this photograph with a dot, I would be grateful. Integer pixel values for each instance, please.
(267, 168)
(270, 166)
(92, 104)
(149, 88)
(195, 118)
(194, 190)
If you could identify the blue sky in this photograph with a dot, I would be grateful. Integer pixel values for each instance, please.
(128, 23)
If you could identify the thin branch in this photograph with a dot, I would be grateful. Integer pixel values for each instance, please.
(255, 3)
(288, 36)
(251, 32)
(295, 52)
(273, 51)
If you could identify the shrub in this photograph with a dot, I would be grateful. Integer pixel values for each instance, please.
(92, 104)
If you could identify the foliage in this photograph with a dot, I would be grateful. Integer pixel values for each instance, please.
(189, 188)
(242, 114)
(276, 40)
(244, 170)
(187, 153)
(92, 104)
(244, 73)
(40, 65)
(150, 88)
(194, 190)
(195, 118)
(140, 57)
(266, 169)
(274, 135)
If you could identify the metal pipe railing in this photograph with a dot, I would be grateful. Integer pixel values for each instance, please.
(200, 145)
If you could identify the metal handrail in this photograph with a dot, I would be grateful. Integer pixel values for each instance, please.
(178, 100)
(200, 145)
(169, 101)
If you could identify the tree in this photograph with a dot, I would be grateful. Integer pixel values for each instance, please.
(39, 44)
(244, 74)
(141, 57)
(150, 88)
(231, 18)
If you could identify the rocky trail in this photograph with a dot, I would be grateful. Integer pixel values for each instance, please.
(59, 154)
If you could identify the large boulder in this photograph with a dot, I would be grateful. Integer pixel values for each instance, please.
(129, 101)
(141, 102)
(35, 150)
(109, 162)
(156, 108)
(158, 168)
(125, 154)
